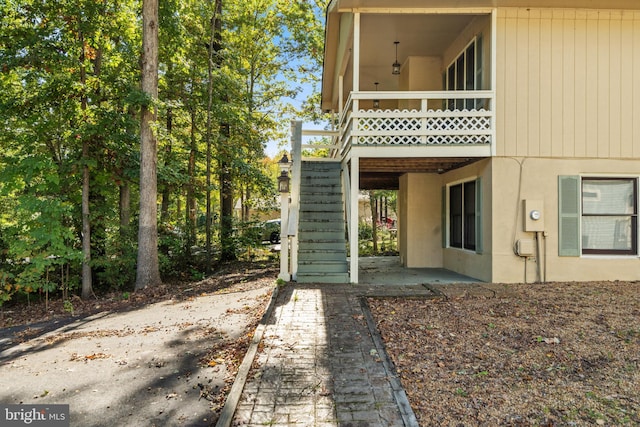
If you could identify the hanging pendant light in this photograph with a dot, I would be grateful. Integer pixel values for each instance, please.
(396, 65)
(376, 102)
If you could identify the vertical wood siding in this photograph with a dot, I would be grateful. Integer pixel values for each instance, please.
(568, 83)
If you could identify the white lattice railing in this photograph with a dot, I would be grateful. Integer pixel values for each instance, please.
(441, 118)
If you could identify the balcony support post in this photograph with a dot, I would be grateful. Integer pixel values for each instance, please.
(353, 219)
(494, 78)
(356, 52)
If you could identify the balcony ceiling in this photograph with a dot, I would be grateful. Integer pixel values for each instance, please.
(419, 35)
(384, 173)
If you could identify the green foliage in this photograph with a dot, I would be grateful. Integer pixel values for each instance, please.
(7, 287)
(386, 238)
(69, 76)
(117, 270)
(68, 306)
(365, 231)
(171, 251)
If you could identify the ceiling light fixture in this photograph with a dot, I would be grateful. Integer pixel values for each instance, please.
(396, 65)
(376, 102)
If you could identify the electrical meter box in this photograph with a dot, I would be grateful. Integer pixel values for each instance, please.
(533, 215)
(525, 247)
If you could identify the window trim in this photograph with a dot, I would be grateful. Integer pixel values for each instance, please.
(633, 216)
(450, 76)
(476, 246)
(570, 216)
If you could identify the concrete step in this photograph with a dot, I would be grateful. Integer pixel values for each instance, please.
(322, 250)
(321, 235)
(325, 266)
(323, 278)
(322, 245)
(313, 206)
(321, 225)
(321, 187)
(329, 174)
(320, 192)
(326, 166)
(319, 180)
(326, 215)
(321, 175)
(323, 198)
(322, 255)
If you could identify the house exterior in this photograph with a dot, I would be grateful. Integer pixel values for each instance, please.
(510, 128)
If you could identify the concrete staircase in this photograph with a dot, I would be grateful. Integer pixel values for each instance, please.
(322, 250)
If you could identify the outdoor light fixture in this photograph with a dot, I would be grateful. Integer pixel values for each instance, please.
(376, 102)
(396, 65)
(283, 179)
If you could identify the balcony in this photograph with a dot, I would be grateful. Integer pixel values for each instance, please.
(444, 123)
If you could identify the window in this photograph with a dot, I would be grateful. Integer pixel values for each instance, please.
(609, 216)
(598, 216)
(464, 215)
(465, 73)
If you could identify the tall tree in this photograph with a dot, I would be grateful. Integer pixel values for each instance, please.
(214, 60)
(148, 271)
(62, 107)
(87, 279)
(225, 184)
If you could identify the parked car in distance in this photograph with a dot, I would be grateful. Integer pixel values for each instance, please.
(271, 231)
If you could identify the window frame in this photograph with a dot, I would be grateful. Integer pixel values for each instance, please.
(463, 219)
(452, 79)
(632, 216)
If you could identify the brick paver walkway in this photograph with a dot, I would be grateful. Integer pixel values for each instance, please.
(319, 365)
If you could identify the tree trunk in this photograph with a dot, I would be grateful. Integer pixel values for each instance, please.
(227, 250)
(227, 245)
(190, 209)
(166, 192)
(125, 208)
(87, 283)
(246, 211)
(148, 272)
(373, 201)
(212, 50)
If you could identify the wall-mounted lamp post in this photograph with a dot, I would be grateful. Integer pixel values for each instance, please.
(283, 179)
(283, 188)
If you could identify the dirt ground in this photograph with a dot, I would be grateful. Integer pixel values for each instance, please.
(162, 356)
(559, 354)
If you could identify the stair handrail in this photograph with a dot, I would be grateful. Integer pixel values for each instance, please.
(346, 195)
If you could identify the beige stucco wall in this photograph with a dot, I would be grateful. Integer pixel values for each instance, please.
(506, 183)
(516, 179)
(469, 263)
(419, 220)
(421, 73)
(568, 99)
(568, 83)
